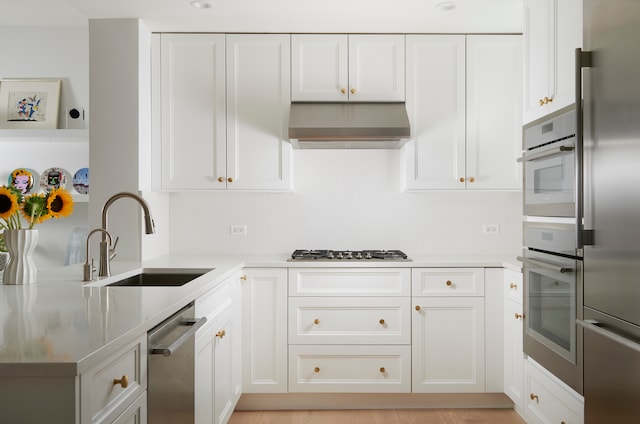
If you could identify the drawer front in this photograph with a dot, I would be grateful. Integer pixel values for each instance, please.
(358, 369)
(349, 320)
(349, 282)
(215, 300)
(448, 282)
(102, 398)
(513, 285)
(547, 401)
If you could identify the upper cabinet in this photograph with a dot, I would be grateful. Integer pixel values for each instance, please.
(464, 103)
(552, 32)
(224, 111)
(340, 68)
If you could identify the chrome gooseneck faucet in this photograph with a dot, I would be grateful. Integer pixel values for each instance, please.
(107, 253)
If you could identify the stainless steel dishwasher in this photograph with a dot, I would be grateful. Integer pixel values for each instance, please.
(171, 368)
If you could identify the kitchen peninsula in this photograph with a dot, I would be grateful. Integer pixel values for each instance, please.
(60, 330)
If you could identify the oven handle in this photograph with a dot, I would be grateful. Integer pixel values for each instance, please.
(539, 155)
(545, 265)
(593, 325)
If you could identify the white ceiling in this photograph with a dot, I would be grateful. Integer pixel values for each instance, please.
(275, 15)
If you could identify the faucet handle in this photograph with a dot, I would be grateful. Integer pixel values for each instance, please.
(112, 248)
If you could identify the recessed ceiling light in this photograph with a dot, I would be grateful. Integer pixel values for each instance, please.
(446, 6)
(201, 4)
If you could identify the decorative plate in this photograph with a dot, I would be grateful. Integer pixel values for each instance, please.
(53, 178)
(24, 179)
(81, 181)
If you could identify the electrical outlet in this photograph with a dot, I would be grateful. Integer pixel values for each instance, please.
(238, 230)
(490, 229)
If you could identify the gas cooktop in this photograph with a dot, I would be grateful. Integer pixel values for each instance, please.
(342, 255)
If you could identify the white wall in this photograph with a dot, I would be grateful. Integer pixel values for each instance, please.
(347, 199)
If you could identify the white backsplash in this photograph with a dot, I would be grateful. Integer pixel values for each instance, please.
(349, 199)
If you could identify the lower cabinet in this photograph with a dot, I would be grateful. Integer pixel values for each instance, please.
(513, 331)
(448, 330)
(136, 413)
(264, 321)
(218, 379)
(549, 400)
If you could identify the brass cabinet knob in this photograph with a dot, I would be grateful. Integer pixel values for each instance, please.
(513, 286)
(243, 277)
(381, 322)
(533, 397)
(221, 179)
(382, 370)
(545, 101)
(230, 179)
(316, 369)
(541, 102)
(461, 179)
(518, 316)
(472, 180)
(221, 334)
(449, 283)
(316, 321)
(353, 91)
(343, 90)
(123, 382)
(418, 307)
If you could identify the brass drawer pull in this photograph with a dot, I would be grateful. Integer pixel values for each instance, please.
(449, 283)
(123, 382)
(382, 370)
(513, 286)
(316, 370)
(316, 321)
(534, 397)
(221, 334)
(382, 322)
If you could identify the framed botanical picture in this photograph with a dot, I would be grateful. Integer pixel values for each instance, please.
(29, 103)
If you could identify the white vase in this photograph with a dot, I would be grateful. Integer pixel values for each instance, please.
(21, 269)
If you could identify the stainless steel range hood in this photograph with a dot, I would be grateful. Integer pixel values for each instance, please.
(348, 125)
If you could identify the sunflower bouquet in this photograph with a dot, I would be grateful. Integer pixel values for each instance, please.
(33, 208)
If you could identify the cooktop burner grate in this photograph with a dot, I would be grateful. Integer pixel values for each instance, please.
(338, 255)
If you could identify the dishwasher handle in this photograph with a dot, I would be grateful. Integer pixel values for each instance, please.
(194, 325)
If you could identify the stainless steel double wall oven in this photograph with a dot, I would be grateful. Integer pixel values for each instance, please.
(552, 256)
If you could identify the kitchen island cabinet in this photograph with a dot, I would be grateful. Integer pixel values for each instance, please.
(224, 107)
(353, 67)
(464, 103)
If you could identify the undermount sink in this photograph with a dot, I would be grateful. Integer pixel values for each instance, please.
(161, 278)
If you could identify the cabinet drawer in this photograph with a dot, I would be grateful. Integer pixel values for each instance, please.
(103, 398)
(448, 282)
(360, 369)
(215, 300)
(513, 285)
(349, 282)
(352, 320)
(547, 400)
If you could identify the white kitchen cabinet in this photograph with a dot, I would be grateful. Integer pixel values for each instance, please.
(136, 413)
(224, 102)
(349, 330)
(513, 331)
(264, 320)
(464, 103)
(218, 380)
(552, 31)
(549, 400)
(341, 67)
(448, 351)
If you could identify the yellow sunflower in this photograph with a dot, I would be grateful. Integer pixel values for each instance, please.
(59, 203)
(8, 203)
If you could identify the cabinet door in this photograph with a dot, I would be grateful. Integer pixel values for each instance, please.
(226, 391)
(264, 320)
(204, 382)
(319, 65)
(494, 119)
(568, 31)
(193, 111)
(448, 345)
(538, 36)
(513, 355)
(376, 68)
(436, 107)
(258, 99)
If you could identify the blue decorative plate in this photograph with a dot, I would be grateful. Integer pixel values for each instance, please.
(81, 181)
(24, 179)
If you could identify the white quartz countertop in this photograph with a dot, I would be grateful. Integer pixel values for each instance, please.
(62, 326)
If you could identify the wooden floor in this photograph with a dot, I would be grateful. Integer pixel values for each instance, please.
(384, 416)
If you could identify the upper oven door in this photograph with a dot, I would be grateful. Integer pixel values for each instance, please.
(549, 180)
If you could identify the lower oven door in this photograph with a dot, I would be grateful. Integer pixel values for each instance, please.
(552, 303)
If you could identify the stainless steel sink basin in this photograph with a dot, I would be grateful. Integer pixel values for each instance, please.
(161, 278)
